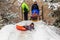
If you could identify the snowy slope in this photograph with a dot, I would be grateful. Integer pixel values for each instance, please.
(41, 32)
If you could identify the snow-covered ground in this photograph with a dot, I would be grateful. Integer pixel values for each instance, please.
(55, 6)
(42, 32)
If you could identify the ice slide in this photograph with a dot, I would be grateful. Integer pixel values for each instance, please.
(41, 32)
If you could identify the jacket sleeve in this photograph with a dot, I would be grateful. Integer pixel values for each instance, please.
(37, 7)
(22, 6)
(32, 7)
(27, 7)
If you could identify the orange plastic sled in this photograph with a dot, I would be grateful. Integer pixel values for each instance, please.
(18, 27)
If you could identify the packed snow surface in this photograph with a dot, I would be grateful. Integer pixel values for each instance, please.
(41, 32)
